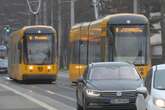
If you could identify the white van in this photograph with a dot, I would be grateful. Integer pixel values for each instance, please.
(155, 83)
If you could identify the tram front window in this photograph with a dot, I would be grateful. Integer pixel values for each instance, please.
(130, 44)
(39, 49)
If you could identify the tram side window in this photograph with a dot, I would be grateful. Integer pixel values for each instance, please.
(94, 51)
(19, 51)
(83, 52)
(75, 52)
(56, 49)
(12, 53)
(104, 49)
(15, 52)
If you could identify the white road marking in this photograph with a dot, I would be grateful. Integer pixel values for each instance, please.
(40, 103)
(53, 93)
(60, 95)
(50, 92)
(30, 91)
(63, 86)
(7, 78)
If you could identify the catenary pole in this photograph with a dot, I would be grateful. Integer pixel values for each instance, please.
(135, 6)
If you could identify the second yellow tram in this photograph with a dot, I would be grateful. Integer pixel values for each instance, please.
(118, 37)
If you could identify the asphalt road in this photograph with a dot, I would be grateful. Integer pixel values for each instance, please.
(37, 96)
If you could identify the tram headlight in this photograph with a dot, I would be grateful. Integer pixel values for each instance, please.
(49, 67)
(79, 67)
(31, 67)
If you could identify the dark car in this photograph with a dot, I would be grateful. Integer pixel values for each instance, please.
(109, 85)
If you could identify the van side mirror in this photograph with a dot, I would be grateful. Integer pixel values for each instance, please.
(142, 90)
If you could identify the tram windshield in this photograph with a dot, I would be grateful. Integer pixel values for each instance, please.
(130, 44)
(39, 49)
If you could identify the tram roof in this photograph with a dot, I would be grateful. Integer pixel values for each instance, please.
(121, 18)
(37, 28)
(126, 18)
(81, 25)
(118, 19)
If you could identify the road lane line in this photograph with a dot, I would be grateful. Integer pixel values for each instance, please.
(50, 92)
(40, 103)
(60, 95)
(65, 87)
(66, 97)
(63, 96)
(7, 78)
(57, 94)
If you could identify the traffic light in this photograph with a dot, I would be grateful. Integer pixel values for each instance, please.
(7, 29)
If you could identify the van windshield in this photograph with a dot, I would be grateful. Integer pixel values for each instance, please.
(159, 82)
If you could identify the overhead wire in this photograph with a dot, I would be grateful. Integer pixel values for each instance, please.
(30, 7)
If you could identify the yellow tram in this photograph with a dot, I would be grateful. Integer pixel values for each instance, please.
(118, 37)
(33, 54)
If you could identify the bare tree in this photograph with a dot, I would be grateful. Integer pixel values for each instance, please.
(163, 29)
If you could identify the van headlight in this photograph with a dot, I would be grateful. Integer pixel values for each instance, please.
(159, 102)
(92, 93)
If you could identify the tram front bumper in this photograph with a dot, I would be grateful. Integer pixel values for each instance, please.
(39, 77)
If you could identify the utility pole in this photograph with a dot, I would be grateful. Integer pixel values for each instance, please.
(72, 12)
(29, 18)
(95, 4)
(37, 19)
(52, 12)
(45, 12)
(147, 8)
(163, 29)
(59, 29)
(135, 6)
